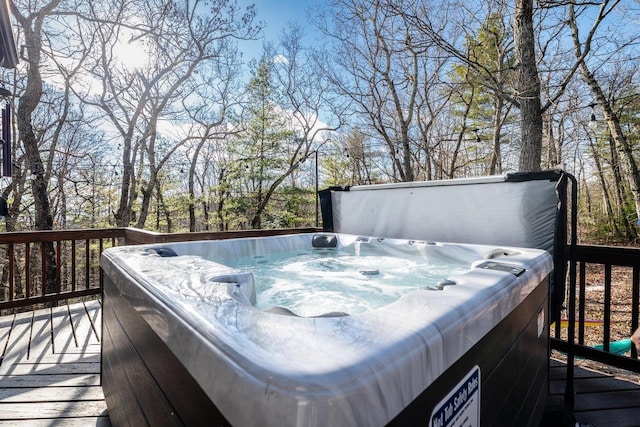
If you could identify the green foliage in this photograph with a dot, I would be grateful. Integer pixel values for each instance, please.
(482, 81)
(258, 151)
(293, 207)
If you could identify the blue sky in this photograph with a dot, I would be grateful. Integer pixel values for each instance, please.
(275, 14)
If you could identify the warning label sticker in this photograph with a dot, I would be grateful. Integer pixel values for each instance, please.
(461, 407)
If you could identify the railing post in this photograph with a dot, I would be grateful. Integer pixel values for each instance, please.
(569, 398)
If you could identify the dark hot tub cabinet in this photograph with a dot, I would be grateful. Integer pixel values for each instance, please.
(186, 342)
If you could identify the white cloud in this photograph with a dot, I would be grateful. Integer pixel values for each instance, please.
(280, 59)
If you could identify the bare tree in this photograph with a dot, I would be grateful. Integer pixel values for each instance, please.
(306, 95)
(31, 24)
(180, 40)
(31, 21)
(618, 135)
(380, 70)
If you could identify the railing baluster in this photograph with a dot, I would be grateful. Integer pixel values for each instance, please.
(58, 267)
(87, 263)
(582, 297)
(100, 275)
(27, 270)
(73, 265)
(43, 267)
(558, 329)
(12, 270)
(607, 308)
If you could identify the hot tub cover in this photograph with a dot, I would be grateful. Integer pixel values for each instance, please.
(267, 369)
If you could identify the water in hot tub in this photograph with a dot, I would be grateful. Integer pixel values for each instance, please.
(322, 281)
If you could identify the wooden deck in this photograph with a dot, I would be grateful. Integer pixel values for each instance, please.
(600, 399)
(50, 367)
(50, 374)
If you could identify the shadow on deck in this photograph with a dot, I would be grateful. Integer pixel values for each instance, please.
(50, 367)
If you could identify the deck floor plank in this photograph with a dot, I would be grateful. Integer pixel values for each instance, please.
(25, 411)
(51, 380)
(52, 368)
(591, 385)
(627, 417)
(102, 421)
(50, 373)
(40, 394)
(72, 357)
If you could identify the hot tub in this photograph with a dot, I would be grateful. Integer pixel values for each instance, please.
(200, 333)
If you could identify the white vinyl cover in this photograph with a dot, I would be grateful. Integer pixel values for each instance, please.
(488, 210)
(263, 369)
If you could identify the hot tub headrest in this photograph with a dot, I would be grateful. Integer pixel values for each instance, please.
(163, 252)
(244, 282)
(497, 253)
(324, 241)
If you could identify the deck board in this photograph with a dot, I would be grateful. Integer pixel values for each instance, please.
(54, 368)
(40, 394)
(50, 367)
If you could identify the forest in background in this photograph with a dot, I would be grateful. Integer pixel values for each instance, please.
(147, 114)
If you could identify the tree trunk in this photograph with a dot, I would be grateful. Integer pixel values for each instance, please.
(221, 195)
(147, 195)
(30, 99)
(460, 137)
(528, 86)
(124, 213)
(495, 164)
(192, 185)
(605, 191)
(619, 189)
(205, 215)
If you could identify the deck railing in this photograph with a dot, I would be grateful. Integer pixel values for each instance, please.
(41, 267)
(600, 273)
(610, 270)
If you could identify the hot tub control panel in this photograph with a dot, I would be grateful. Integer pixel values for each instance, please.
(491, 265)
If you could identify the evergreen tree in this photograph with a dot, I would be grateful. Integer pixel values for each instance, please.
(262, 149)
